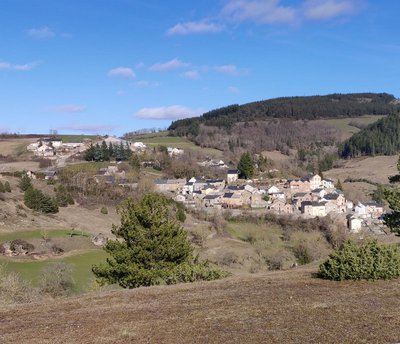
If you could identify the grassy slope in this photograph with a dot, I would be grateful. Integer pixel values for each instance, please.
(280, 307)
(81, 260)
(161, 138)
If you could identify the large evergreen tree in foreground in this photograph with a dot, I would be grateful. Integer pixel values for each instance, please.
(152, 248)
(392, 196)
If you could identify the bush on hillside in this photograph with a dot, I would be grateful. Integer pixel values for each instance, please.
(63, 197)
(36, 200)
(371, 261)
(25, 183)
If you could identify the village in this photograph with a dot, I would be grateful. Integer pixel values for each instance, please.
(308, 197)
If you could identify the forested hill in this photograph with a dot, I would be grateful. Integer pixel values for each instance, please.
(312, 107)
(379, 138)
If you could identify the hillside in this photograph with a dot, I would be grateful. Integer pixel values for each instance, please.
(299, 108)
(379, 138)
(279, 307)
(285, 123)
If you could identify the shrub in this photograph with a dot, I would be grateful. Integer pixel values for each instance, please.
(104, 210)
(7, 186)
(63, 197)
(369, 262)
(25, 183)
(56, 280)
(36, 200)
(13, 289)
(2, 188)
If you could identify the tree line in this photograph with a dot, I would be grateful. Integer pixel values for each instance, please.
(379, 138)
(104, 152)
(311, 107)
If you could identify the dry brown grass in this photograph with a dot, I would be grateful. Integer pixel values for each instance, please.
(280, 307)
(376, 169)
(13, 146)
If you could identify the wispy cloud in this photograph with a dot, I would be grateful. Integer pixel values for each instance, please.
(18, 67)
(88, 128)
(270, 12)
(167, 112)
(327, 9)
(259, 11)
(146, 83)
(194, 27)
(41, 32)
(169, 65)
(191, 74)
(228, 70)
(122, 72)
(67, 108)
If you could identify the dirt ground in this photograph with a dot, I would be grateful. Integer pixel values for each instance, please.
(12, 146)
(376, 169)
(281, 307)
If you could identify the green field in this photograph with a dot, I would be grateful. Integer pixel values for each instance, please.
(161, 138)
(76, 138)
(37, 234)
(30, 270)
(81, 266)
(347, 130)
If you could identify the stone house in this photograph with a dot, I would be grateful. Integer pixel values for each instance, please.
(211, 201)
(313, 209)
(169, 185)
(280, 207)
(232, 200)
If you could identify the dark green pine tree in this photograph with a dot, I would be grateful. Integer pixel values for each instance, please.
(7, 186)
(151, 248)
(2, 188)
(246, 166)
(89, 153)
(25, 183)
(392, 196)
(104, 151)
(36, 200)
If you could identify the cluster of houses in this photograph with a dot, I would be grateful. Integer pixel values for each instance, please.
(49, 147)
(308, 197)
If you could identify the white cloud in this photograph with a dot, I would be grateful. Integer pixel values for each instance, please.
(260, 11)
(122, 72)
(42, 32)
(68, 108)
(140, 65)
(327, 9)
(194, 27)
(18, 67)
(88, 128)
(191, 74)
(228, 70)
(169, 65)
(146, 83)
(167, 112)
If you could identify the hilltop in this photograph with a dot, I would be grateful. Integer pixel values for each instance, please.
(285, 123)
(296, 108)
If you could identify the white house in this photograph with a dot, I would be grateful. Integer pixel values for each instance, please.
(273, 189)
(355, 224)
(174, 151)
(232, 176)
(328, 184)
(139, 146)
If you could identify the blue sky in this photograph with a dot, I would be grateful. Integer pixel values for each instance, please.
(113, 66)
